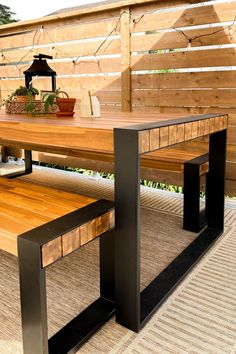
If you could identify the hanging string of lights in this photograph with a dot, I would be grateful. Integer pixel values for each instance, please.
(191, 40)
(81, 58)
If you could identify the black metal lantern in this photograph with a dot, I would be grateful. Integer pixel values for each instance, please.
(40, 67)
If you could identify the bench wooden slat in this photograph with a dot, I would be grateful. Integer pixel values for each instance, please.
(25, 206)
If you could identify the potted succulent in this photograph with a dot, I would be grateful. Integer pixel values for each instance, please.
(65, 104)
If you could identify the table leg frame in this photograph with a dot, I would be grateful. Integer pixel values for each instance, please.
(135, 308)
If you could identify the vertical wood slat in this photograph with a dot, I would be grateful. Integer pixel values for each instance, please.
(71, 241)
(164, 136)
(125, 60)
(51, 252)
(85, 233)
(155, 138)
(144, 141)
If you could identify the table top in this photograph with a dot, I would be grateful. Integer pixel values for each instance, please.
(68, 135)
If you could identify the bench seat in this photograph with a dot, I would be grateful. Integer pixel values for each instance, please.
(188, 160)
(41, 225)
(185, 163)
(172, 159)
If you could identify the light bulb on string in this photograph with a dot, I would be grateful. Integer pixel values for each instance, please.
(231, 33)
(2, 57)
(52, 51)
(189, 46)
(132, 25)
(41, 29)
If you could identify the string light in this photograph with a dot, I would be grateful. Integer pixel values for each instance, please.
(231, 33)
(30, 50)
(2, 56)
(115, 30)
(230, 28)
(74, 61)
(189, 46)
(52, 50)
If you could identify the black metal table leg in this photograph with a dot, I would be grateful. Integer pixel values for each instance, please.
(216, 180)
(134, 309)
(127, 243)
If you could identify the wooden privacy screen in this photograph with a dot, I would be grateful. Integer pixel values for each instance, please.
(136, 57)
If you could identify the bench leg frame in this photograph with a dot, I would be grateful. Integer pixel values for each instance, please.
(193, 219)
(28, 166)
(135, 308)
(33, 296)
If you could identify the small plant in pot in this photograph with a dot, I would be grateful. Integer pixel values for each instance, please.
(23, 93)
(65, 104)
(23, 97)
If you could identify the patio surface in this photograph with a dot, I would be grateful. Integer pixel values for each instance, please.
(199, 317)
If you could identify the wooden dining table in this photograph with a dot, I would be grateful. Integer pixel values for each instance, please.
(129, 135)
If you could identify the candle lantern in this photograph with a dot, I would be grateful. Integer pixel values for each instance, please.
(40, 67)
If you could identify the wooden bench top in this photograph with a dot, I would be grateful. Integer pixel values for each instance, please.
(168, 159)
(25, 206)
(173, 158)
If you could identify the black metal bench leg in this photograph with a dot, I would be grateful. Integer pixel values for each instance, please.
(33, 298)
(33, 285)
(28, 166)
(28, 161)
(193, 219)
(107, 266)
(191, 210)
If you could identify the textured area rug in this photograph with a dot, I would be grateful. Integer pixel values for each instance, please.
(199, 317)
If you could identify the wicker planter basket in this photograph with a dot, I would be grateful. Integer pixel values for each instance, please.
(17, 107)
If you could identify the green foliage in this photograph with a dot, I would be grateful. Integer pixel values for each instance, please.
(30, 105)
(111, 176)
(162, 186)
(6, 15)
(25, 91)
(49, 99)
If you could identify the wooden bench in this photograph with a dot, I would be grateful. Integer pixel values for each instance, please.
(189, 161)
(193, 166)
(42, 225)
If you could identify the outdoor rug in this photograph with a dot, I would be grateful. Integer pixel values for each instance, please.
(199, 317)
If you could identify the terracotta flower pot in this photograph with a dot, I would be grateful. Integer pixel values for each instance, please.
(23, 98)
(66, 106)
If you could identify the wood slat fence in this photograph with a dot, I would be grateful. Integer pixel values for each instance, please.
(165, 56)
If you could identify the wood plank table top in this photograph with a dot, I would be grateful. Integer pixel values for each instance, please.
(70, 135)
